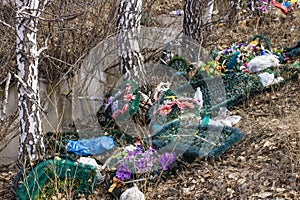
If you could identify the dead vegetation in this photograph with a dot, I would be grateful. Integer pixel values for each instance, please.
(265, 164)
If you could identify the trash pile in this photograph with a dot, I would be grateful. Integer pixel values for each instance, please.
(264, 5)
(153, 132)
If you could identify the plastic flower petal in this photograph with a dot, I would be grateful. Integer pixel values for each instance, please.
(138, 150)
(144, 164)
(125, 107)
(179, 104)
(117, 113)
(129, 97)
(164, 110)
(187, 104)
(166, 159)
(123, 172)
(128, 88)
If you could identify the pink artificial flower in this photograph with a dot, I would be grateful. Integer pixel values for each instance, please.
(120, 112)
(165, 109)
(128, 88)
(129, 97)
(117, 113)
(125, 107)
(179, 104)
(187, 104)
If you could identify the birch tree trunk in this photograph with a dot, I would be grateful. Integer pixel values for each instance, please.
(196, 15)
(31, 135)
(192, 21)
(209, 12)
(128, 28)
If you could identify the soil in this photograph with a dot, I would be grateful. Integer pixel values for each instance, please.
(265, 164)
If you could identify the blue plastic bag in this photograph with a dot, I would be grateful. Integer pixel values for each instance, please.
(94, 146)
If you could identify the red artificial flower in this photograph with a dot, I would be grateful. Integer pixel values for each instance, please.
(120, 112)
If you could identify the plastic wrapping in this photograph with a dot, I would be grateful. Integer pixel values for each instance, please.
(260, 63)
(94, 146)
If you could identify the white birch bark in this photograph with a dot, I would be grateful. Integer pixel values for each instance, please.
(209, 12)
(5, 98)
(128, 28)
(31, 135)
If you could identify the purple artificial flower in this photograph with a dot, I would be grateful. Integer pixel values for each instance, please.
(144, 164)
(264, 9)
(166, 159)
(137, 151)
(123, 172)
(149, 153)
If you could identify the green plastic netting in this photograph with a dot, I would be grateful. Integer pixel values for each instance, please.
(57, 176)
(237, 86)
(231, 87)
(195, 141)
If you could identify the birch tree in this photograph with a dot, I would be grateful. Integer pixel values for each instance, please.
(196, 15)
(209, 12)
(192, 21)
(128, 27)
(31, 135)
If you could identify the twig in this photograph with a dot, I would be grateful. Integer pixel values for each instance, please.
(6, 95)
(137, 180)
(8, 25)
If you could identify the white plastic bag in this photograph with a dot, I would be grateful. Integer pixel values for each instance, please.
(268, 79)
(132, 193)
(225, 118)
(260, 63)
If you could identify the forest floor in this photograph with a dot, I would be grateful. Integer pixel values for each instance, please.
(265, 164)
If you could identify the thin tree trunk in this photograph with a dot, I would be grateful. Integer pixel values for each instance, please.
(209, 12)
(131, 59)
(192, 22)
(31, 135)
(233, 12)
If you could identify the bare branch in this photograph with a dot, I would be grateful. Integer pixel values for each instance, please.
(8, 25)
(5, 100)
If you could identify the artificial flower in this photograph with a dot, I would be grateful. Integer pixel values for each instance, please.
(165, 109)
(125, 107)
(123, 172)
(129, 97)
(136, 151)
(128, 88)
(166, 159)
(143, 164)
(187, 104)
(117, 113)
(120, 112)
(179, 104)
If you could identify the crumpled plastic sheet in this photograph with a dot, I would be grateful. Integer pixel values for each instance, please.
(94, 146)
